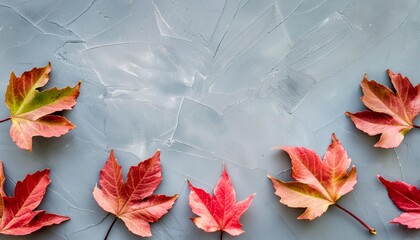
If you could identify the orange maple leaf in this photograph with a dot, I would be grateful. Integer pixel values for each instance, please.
(319, 183)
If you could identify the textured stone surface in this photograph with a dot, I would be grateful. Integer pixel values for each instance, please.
(211, 82)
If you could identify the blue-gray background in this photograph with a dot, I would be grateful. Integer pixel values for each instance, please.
(212, 82)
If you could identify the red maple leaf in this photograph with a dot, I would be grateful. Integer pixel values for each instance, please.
(218, 212)
(319, 183)
(31, 110)
(17, 213)
(133, 201)
(391, 114)
(407, 198)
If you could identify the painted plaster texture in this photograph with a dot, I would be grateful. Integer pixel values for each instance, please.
(212, 83)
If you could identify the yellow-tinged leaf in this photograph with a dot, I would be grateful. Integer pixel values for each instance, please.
(319, 183)
(300, 195)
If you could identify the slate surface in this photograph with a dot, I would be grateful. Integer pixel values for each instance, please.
(212, 82)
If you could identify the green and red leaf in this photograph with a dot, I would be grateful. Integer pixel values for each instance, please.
(31, 109)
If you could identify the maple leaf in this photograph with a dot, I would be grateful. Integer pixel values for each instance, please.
(407, 198)
(391, 114)
(31, 110)
(319, 183)
(218, 212)
(133, 201)
(17, 213)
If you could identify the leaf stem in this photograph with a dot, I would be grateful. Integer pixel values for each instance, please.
(221, 235)
(109, 230)
(371, 230)
(6, 119)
